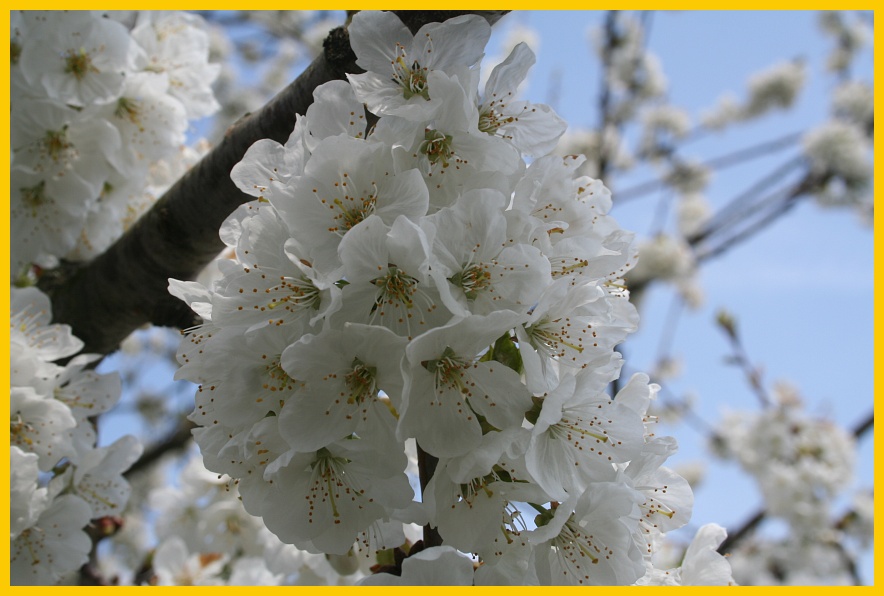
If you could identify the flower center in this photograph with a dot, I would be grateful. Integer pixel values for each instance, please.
(549, 340)
(330, 482)
(397, 287)
(413, 79)
(578, 547)
(78, 63)
(128, 109)
(55, 142)
(34, 197)
(297, 295)
(19, 430)
(277, 379)
(489, 121)
(448, 370)
(472, 280)
(436, 146)
(361, 382)
(353, 210)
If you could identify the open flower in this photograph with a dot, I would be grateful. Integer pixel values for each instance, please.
(447, 386)
(76, 59)
(398, 64)
(534, 129)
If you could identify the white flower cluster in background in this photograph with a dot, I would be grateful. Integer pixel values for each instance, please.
(667, 258)
(804, 468)
(60, 479)
(270, 49)
(800, 463)
(662, 126)
(850, 34)
(97, 101)
(775, 88)
(634, 68)
(842, 149)
(415, 279)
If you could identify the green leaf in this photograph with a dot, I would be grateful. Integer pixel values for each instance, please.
(507, 353)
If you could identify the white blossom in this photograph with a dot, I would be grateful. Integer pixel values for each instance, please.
(399, 64)
(701, 566)
(776, 87)
(436, 566)
(840, 149)
(53, 546)
(76, 59)
(27, 500)
(175, 566)
(588, 540)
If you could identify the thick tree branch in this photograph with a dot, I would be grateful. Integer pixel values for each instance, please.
(126, 287)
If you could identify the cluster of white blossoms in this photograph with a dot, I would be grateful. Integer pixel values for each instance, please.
(415, 279)
(850, 32)
(97, 100)
(775, 88)
(842, 149)
(800, 463)
(201, 535)
(59, 480)
(662, 126)
(100, 105)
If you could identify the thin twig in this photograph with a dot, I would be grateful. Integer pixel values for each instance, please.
(605, 93)
(749, 231)
(746, 528)
(176, 440)
(752, 373)
(746, 201)
(716, 163)
(667, 336)
(783, 201)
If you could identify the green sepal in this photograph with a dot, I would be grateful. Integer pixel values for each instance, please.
(534, 413)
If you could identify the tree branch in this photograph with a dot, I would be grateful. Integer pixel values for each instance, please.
(126, 287)
(605, 94)
(177, 439)
(759, 219)
(716, 163)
